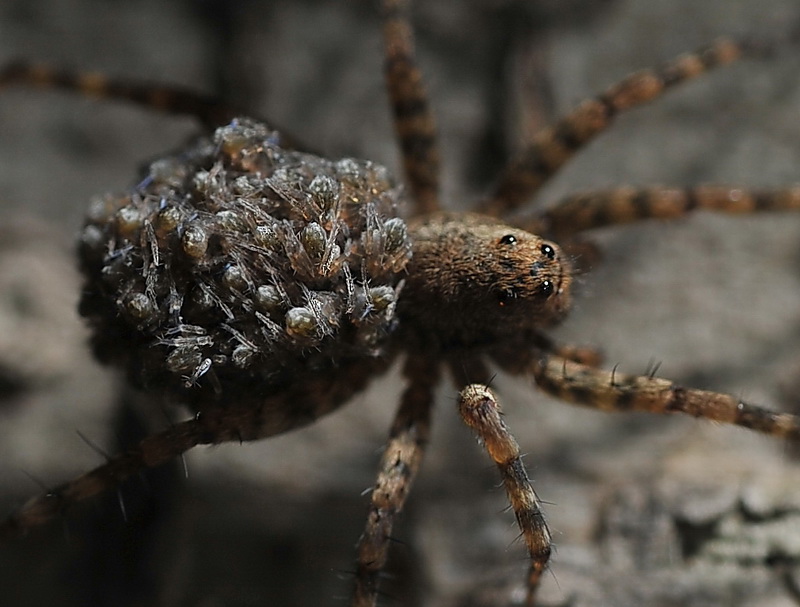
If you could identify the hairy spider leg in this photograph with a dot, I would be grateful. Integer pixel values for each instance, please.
(615, 391)
(414, 122)
(585, 211)
(580, 354)
(554, 146)
(209, 110)
(400, 462)
(243, 422)
(481, 411)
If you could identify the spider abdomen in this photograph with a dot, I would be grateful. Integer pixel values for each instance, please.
(239, 262)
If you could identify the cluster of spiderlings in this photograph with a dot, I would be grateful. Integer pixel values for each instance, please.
(236, 258)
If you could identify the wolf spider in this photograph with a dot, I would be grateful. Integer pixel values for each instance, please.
(474, 288)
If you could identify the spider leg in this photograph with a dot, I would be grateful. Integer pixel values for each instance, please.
(555, 145)
(579, 354)
(589, 210)
(244, 421)
(413, 119)
(615, 391)
(470, 368)
(150, 452)
(398, 468)
(481, 411)
(173, 100)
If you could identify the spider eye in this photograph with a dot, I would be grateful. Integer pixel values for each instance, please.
(508, 239)
(548, 251)
(547, 288)
(505, 296)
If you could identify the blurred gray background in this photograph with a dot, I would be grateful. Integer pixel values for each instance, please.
(644, 511)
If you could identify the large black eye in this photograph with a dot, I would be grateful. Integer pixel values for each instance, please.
(548, 251)
(505, 296)
(547, 288)
(508, 239)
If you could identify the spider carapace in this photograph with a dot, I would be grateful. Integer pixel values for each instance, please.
(263, 287)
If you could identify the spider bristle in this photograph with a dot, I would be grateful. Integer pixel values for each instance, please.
(94, 446)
